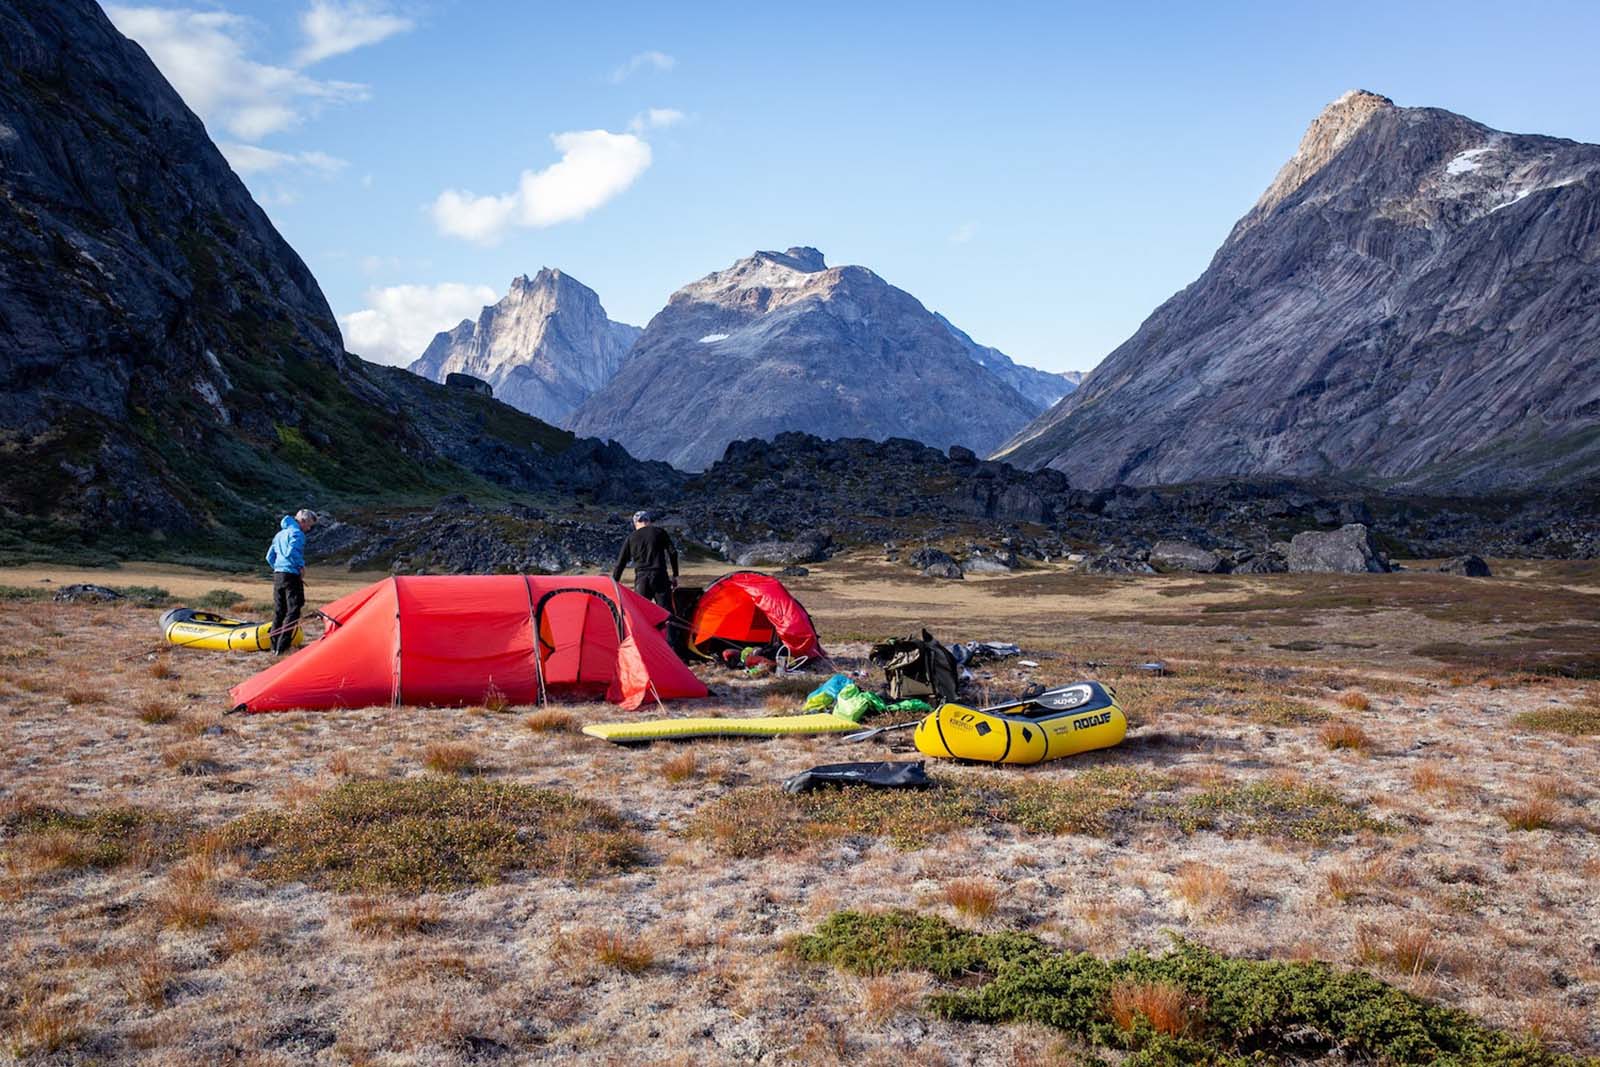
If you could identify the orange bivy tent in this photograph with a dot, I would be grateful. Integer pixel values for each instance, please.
(457, 640)
(749, 608)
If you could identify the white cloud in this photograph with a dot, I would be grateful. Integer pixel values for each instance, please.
(643, 61)
(400, 320)
(250, 159)
(333, 28)
(964, 233)
(656, 118)
(203, 55)
(595, 166)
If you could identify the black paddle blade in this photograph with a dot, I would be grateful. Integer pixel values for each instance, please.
(1064, 697)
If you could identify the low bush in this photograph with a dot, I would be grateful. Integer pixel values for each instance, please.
(1191, 1005)
(1581, 720)
(1343, 734)
(452, 758)
(99, 839)
(432, 833)
(218, 600)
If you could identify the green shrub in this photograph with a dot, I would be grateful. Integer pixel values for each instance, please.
(1249, 1011)
(433, 833)
(145, 596)
(98, 839)
(1579, 721)
(218, 600)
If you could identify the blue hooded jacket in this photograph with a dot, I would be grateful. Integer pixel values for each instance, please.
(288, 552)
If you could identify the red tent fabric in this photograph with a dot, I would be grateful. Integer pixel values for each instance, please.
(747, 608)
(457, 640)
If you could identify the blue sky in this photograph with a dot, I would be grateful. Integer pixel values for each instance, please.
(1044, 174)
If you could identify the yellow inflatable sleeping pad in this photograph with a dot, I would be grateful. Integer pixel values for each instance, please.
(822, 722)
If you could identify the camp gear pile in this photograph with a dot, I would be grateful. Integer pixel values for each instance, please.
(970, 653)
(848, 700)
(917, 666)
(460, 640)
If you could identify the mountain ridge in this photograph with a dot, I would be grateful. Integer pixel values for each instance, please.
(1405, 305)
(781, 341)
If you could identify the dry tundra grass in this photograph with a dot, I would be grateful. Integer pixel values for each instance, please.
(1387, 772)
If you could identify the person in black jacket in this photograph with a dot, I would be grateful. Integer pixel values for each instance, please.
(649, 548)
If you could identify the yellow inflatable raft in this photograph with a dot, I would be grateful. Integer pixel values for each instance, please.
(1077, 718)
(187, 628)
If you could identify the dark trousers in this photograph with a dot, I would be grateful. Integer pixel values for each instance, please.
(654, 585)
(288, 597)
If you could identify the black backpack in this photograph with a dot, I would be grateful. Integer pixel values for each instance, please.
(917, 667)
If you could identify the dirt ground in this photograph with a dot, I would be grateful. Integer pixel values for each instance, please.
(1413, 699)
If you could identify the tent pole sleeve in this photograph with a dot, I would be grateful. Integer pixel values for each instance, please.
(533, 633)
(398, 681)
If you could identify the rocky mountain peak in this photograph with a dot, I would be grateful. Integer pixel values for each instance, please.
(802, 258)
(781, 341)
(1327, 135)
(544, 347)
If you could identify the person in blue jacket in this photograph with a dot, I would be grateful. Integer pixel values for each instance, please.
(287, 556)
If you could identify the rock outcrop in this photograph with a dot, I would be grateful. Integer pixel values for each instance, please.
(1347, 550)
(1411, 304)
(781, 341)
(1468, 566)
(1185, 556)
(545, 348)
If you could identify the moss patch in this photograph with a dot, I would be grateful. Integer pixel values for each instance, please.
(98, 839)
(760, 820)
(1271, 809)
(1580, 721)
(416, 835)
(1244, 1011)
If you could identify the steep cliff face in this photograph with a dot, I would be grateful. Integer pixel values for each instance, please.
(169, 369)
(546, 347)
(1411, 303)
(781, 341)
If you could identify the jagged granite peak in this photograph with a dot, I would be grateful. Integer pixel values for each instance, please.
(1412, 303)
(1038, 387)
(170, 373)
(545, 347)
(781, 341)
(1328, 133)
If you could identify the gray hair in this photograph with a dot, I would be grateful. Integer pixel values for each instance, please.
(305, 513)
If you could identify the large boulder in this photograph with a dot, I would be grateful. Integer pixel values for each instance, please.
(935, 563)
(1347, 550)
(807, 548)
(1470, 566)
(457, 380)
(1185, 556)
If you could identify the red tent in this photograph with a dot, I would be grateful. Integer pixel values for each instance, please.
(747, 608)
(465, 640)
